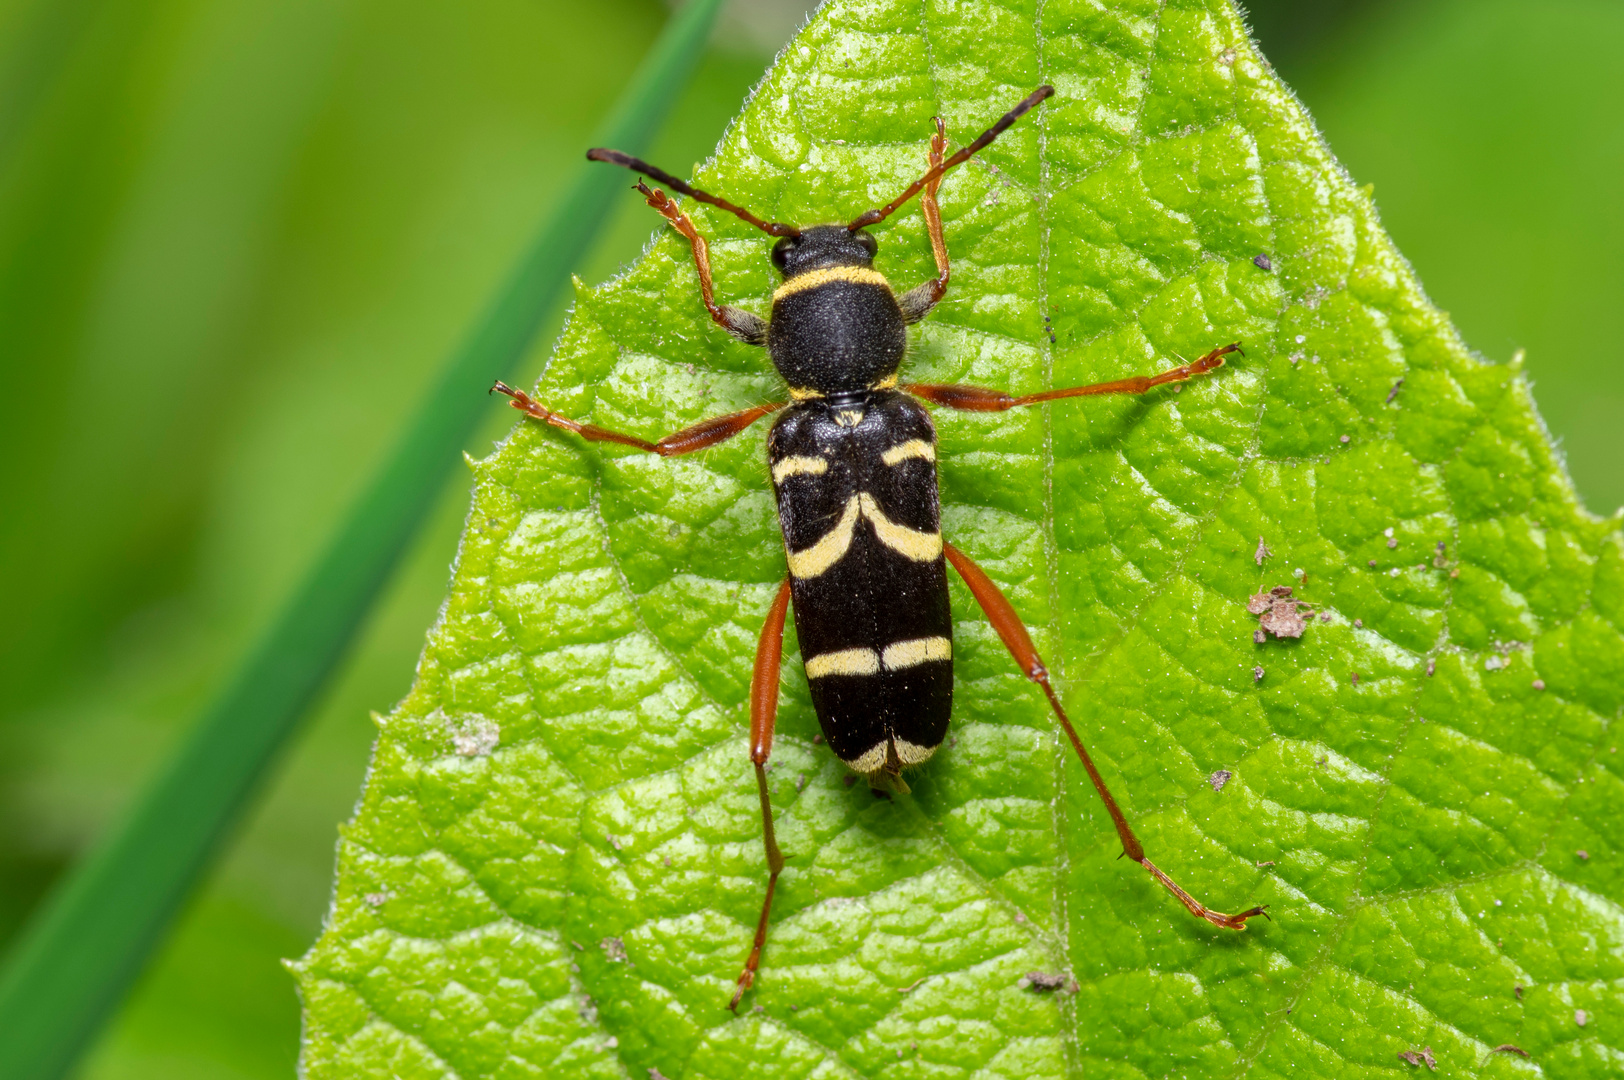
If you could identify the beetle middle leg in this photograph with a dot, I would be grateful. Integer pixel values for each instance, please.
(698, 436)
(981, 399)
(1013, 632)
(917, 302)
(763, 716)
(748, 328)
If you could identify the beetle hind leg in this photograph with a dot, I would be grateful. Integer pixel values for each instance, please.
(763, 716)
(1013, 633)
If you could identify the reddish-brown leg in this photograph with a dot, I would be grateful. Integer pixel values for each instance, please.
(917, 302)
(981, 399)
(704, 434)
(741, 324)
(1019, 642)
(763, 714)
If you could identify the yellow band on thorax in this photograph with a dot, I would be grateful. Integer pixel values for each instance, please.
(857, 275)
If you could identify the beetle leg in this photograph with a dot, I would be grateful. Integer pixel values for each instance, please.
(763, 715)
(1013, 632)
(748, 328)
(698, 436)
(916, 303)
(981, 399)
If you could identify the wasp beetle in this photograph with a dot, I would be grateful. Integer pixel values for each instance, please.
(853, 462)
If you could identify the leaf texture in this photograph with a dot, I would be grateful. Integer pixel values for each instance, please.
(556, 866)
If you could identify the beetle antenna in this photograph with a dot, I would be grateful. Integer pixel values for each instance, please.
(875, 216)
(626, 161)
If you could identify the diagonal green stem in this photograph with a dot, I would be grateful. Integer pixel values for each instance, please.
(93, 935)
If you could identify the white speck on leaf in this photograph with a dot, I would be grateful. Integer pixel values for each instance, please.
(473, 735)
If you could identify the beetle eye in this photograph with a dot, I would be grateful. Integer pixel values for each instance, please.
(781, 251)
(871, 245)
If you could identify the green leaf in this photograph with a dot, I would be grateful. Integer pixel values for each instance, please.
(556, 867)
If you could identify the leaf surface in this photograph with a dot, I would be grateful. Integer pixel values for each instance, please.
(556, 866)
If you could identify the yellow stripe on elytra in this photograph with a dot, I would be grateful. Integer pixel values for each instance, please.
(907, 654)
(829, 550)
(844, 662)
(856, 275)
(799, 466)
(897, 656)
(913, 448)
(911, 543)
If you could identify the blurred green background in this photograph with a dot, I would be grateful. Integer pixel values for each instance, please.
(236, 238)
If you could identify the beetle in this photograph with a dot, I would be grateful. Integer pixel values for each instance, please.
(852, 457)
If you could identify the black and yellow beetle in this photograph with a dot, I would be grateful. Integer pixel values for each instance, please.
(853, 462)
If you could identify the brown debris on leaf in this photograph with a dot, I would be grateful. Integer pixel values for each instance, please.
(1278, 614)
(1038, 980)
(1219, 779)
(1263, 551)
(1416, 1057)
(1507, 1048)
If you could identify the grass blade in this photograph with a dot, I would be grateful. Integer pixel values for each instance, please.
(93, 935)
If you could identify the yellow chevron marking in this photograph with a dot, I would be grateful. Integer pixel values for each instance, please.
(907, 654)
(832, 548)
(913, 448)
(799, 466)
(844, 662)
(857, 275)
(910, 543)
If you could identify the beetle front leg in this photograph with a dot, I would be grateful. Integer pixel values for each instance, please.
(748, 328)
(1013, 632)
(763, 717)
(917, 302)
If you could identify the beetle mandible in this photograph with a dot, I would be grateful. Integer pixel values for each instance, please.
(853, 463)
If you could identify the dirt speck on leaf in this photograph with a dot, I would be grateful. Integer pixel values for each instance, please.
(1416, 1057)
(1507, 1048)
(1038, 980)
(1219, 779)
(1257, 674)
(1278, 614)
(1262, 552)
(614, 949)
